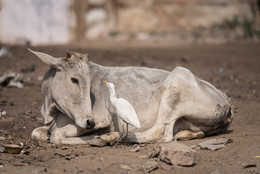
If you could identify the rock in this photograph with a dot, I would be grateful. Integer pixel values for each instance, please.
(142, 144)
(166, 167)
(132, 167)
(177, 154)
(195, 147)
(125, 167)
(135, 148)
(214, 144)
(150, 166)
(248, 165)
(155, 153)
(7, 123)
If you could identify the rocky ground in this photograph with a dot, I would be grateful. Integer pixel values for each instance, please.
(232, 67)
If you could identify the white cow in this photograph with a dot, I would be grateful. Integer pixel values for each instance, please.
(168, 104)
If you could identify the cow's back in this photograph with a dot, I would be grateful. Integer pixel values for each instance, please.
(136, 84)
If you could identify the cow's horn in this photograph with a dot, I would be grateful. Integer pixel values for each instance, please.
(68, 54)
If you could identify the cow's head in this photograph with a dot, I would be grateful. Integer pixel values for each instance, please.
(69, 86)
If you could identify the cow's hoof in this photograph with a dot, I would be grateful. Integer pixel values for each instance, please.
(188, 135)
(39, 135)
(111, 138)
(99, 142)
(56, 139)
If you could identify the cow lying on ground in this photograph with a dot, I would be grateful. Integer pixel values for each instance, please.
(169, 105)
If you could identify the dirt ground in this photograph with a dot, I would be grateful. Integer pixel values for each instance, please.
(232, 67)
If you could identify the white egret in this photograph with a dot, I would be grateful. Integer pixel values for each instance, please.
(124, 109)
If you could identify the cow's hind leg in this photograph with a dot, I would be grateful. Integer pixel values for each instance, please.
(186, 130)
(156, 132)
(168, 132)
(165, 120)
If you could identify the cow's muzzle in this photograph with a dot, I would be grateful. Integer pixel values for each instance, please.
(90, 124)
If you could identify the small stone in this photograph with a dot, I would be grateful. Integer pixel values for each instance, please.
(125, 167)
(214, 144)
(142, 144)
(150, 166)
(135, 148)
(155, 153)
(195, 147)
(245, 166)
(166, 167)
(130, 167)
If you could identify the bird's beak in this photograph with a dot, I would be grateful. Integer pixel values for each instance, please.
(105, 82)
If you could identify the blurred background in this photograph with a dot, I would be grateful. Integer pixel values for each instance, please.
(41, 22)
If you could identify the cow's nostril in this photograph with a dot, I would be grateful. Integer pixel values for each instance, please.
(90, 124)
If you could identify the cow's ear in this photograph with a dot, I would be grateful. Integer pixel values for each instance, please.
(85, 57)
(50, 60)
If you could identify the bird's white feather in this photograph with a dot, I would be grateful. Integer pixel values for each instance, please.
(124, 109)
(126, 112)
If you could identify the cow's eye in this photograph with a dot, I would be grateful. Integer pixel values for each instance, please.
(74, 80)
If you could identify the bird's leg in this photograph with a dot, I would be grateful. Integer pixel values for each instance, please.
(123, 136)
(120, 140)
(126, 132)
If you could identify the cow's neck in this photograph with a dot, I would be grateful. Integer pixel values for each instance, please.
(97, 72)
(112, 96)
(95, 69)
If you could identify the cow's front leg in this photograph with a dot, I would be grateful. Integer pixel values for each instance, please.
(102, 124)
(40, 134)
(163, 128)
(68, 134)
